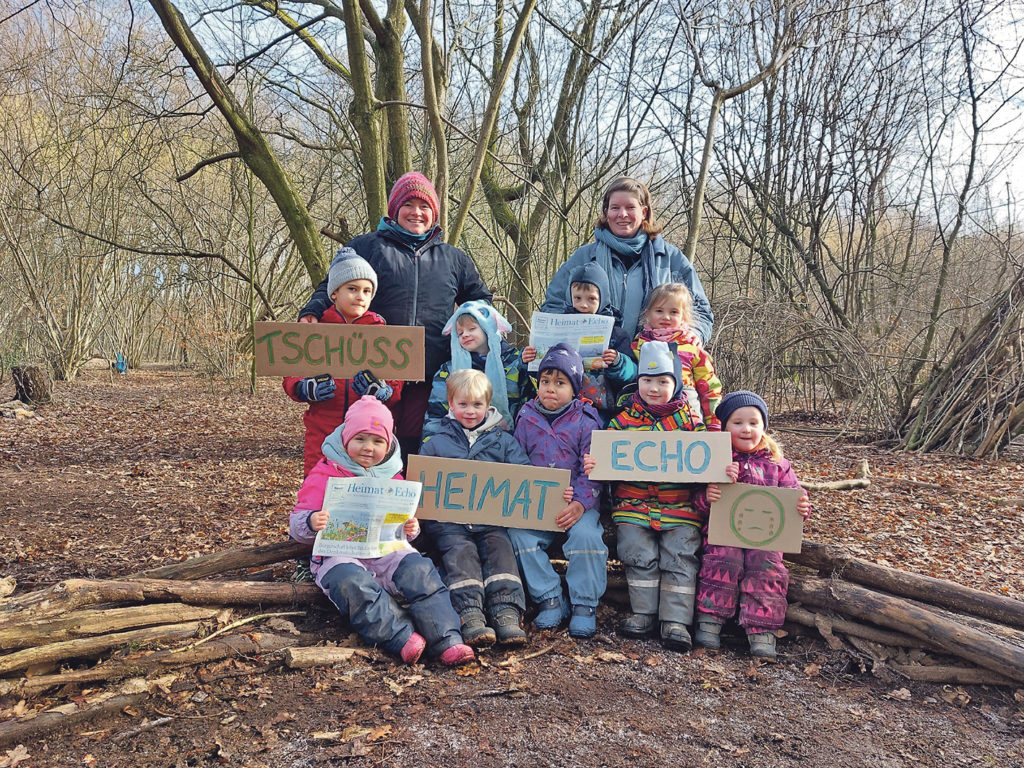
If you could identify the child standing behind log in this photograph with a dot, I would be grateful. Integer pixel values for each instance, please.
(757, 578)
(361, 588)
(351, 284)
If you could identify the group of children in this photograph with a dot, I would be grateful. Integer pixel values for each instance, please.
(485, 406)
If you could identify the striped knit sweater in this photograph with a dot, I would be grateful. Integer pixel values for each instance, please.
(658, 506)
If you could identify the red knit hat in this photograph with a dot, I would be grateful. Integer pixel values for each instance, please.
(413, 184)
(368, 414)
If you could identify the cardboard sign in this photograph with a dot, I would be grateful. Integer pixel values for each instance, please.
(757, 517)
(660, 457)
(306, 349)
(487, 493)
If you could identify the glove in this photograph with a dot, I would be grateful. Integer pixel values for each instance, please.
(315, 388)
(365, 383)
(384, 392)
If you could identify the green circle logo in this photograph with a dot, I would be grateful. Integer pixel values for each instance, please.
(757, 518)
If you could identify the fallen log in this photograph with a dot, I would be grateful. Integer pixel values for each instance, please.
(800, 615)
(836, 560)
(229, 560)
(77, 593)
(93, 646)
(28, 728)
(254, 644)
(318, 656)
(896, 613)
(849, 484)
(33, 632)
(921, 673)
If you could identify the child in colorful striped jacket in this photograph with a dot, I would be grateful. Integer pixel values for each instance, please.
(657, 528)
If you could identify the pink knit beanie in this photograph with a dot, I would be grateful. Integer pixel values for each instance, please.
(368, 414)
(413, 184)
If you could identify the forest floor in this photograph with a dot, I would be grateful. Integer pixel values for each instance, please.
(129, 472)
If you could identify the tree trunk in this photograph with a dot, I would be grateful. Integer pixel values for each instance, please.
(32, 384)
(229, 560)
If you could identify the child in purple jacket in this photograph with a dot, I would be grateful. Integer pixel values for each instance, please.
(757, 578)
(554, 429)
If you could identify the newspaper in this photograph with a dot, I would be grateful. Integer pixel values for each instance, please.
(367, 516)
(587, 334)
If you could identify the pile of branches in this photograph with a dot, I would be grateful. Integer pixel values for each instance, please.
(974, 403)
(907, 623)
(173, 608)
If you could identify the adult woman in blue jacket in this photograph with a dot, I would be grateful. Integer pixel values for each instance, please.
(629, 247)
(420, 279)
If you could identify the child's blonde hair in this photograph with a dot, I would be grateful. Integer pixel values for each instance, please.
(677, 293)
(770, 444)
(470, 383)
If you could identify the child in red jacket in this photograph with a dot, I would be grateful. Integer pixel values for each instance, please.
(351, 284)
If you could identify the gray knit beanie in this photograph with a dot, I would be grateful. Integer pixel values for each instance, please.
(348, 266)
(660, 358)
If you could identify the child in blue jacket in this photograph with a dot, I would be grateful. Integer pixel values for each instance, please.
(554, 429)
(479, 565)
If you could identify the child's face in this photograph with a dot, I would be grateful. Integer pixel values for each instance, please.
(367, 449)
(746, 427)
(352, 299)
(471, 335)
(586, 299)
(415, 216)
(667, 314)
(656, 390)
(625, 214)
(554, 389)
(468, 411)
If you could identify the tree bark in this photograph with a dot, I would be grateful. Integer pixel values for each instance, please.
(954, 638)
(836, 560)
(26, 729)
(228, 560)
(32, 384)
(81, 624)
(317, 656)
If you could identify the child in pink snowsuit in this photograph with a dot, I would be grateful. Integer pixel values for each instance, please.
(755, 578)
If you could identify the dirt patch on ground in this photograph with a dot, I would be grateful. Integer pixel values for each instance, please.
(121, 474)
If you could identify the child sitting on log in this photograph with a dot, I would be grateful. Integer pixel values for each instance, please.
(754, 578)
(361, 588)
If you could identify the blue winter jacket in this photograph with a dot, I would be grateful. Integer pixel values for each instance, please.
(492, 442)
(630, 286)
(517, 383)
(561, 443)
(418, 287)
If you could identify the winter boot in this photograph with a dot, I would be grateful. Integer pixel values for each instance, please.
(762, 644)
(709, 631)
(583, 623)
(475, 631)
(638, 625)
(413, 648)
(675, 636)
(457, 654)
(508, 627)
(552, 613)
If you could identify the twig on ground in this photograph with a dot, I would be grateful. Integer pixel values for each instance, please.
(235, 624)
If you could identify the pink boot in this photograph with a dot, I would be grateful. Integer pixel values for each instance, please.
(413, 648)
(457, 654)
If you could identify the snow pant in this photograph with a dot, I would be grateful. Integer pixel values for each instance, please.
(587, 574)
(661, 569)
(757, 579)
(362, 590)
(479, 566)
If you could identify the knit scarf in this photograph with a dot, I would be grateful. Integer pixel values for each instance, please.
(659, 409)
(677, 335)
(408, 238)
(551, 415)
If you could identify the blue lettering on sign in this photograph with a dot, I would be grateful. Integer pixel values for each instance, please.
(435, 488)
(672, 457)
(543, 485)
(449, 492)
(503, 487)
(522, 498)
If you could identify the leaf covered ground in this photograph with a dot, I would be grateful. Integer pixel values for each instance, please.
(125, 473)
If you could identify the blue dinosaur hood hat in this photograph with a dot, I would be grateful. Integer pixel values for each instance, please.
(494, 327)
(593, 274)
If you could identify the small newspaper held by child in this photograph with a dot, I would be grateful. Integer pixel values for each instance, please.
(589, 335)
(367, 516)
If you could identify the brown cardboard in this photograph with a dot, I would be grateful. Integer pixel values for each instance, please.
(660, 457)
(307, 349)
(488, 493)
(757, 517)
